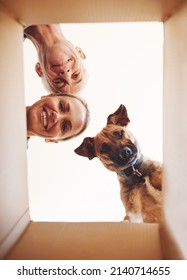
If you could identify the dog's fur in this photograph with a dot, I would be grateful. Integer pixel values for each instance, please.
(139, 178)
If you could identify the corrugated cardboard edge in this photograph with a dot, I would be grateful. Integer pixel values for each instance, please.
(14, 234)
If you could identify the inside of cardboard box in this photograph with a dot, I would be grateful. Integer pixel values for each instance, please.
(14, 157)
(124, 65)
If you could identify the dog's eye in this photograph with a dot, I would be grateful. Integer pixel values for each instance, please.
(118, 134)
(104, 148)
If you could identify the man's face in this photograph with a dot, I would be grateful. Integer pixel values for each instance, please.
(62, 69)
(56, 117)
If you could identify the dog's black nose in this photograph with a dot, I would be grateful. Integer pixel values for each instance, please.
(126, 153)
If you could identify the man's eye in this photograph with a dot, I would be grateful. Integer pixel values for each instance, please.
(118, 134)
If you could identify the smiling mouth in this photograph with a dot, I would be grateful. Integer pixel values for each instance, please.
(44, 119)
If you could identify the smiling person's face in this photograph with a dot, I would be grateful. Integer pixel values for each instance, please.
(56, 118)
(61, 68)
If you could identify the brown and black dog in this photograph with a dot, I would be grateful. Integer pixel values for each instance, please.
(140, 178)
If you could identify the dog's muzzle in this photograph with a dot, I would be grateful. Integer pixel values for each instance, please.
(126, 156)
(126, 153)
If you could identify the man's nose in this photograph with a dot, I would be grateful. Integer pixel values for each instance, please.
(65, 67)
(65, 73)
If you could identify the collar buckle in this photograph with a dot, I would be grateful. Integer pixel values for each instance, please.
(136, 171)
(132, 169)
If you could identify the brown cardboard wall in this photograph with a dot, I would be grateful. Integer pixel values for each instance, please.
(76, 241)
(42, 240)
(13, 168)
(35, 11)
(175, 127)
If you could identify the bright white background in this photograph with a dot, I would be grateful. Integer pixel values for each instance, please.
(124, 62)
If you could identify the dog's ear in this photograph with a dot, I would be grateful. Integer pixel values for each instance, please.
(86, 149)
(120, 117)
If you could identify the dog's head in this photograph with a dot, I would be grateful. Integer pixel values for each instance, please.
(115, 146)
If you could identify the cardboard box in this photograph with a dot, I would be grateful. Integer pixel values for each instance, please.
(21, 238)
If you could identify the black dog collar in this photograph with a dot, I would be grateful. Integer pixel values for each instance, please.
(133, 169)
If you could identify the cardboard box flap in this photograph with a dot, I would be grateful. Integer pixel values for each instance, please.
(102, 240)
(30, 12)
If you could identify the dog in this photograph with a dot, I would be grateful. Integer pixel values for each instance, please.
(140, 178)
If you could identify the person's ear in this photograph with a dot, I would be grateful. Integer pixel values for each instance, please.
(38, 69)
(81, 53)
(51, 141)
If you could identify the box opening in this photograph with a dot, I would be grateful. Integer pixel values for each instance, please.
(124, 62)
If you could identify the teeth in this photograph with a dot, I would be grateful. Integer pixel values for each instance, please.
(44, 118)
